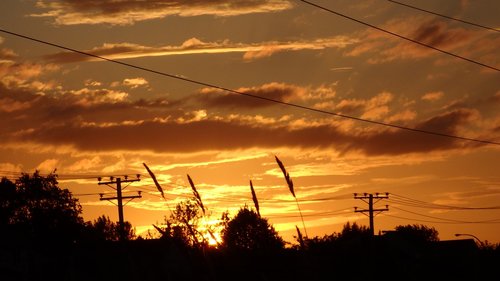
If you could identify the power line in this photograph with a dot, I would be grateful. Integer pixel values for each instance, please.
(445, 222)
(400, 36)
(422, 204)
(205, 84)
(444, 16)
(446, 219)
(421, 220)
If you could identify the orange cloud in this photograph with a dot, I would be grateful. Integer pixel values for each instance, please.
(124, 12)
(135, 82)
(275, 91)
(432, 96)
(384, 48)
(196, 46)
(373, 108)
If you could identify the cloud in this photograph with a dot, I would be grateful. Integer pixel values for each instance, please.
(373, 108)
(432, 96)
(405, 115)
(125, 12)
(24, 74)
(88, 97)
(195, 46)
(48, 165)
(85, 164)
(135, 82)
(275, 91)
(207, 134)
(11, 105)
(100, 119)
(383, 48)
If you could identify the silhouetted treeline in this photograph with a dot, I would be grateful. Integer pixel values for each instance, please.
(43, 237)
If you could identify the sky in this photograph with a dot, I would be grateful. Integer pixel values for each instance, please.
(88, 118)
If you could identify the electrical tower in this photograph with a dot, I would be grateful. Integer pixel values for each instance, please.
(119, 197)
(371, 211)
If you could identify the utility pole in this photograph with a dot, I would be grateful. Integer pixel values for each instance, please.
(119, 197)
(371, 211)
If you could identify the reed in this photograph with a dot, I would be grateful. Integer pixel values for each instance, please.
(300, 238)
(292, 191)
(254, 198)
(158, 186)
(196, 195)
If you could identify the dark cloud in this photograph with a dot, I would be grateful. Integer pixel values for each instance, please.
(439, 34)
(103, 119)
(435, 33)
(104, 51)
(221, 135)
(275, 91)
(68, 12)
(402, 141)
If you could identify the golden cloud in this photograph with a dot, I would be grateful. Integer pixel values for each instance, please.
(124, 12)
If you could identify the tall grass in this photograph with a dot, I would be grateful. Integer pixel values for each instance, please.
(158, 186)
(300, 238)
(254, 198)
(292, 191)
(202, 207)
(196, 195)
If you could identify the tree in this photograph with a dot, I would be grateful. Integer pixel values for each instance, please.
(183, 224)
(8, 201)
(354, 231)
(417, 233)
(103, 228)
(34, 207)
(248, 231)
(352, 235)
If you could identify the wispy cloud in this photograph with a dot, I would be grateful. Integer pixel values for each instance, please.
(195, 46)
(125, 12)
(432, 96)
(383, 48)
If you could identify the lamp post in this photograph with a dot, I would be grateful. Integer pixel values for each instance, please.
(471, 235)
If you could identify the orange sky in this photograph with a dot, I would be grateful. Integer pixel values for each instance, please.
(90, 118)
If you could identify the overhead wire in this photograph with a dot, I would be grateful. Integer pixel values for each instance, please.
(422, 204)
(446, 219)
(209, 85)
(444, 16)
(400, 36)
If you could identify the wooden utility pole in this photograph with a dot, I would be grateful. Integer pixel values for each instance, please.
(119, 197)
(371, 211)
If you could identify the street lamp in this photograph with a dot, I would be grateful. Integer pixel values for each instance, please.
(471, 235)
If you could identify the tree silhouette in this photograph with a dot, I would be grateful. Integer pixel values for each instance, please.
(248, 231)
(103, 228)
(354, 231)
(8, 201)
(417, 233)
(34, 207)
(182, 225)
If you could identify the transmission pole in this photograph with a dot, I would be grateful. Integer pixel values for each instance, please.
(119, 197)
(371, 211)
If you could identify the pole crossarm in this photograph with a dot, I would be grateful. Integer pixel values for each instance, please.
(119, 197)
(371, 211)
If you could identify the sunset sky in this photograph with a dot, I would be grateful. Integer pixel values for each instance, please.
(89, 118)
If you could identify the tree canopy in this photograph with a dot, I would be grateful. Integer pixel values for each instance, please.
(417, 233)
(34, 207)
(103, 228)
(248, 231)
